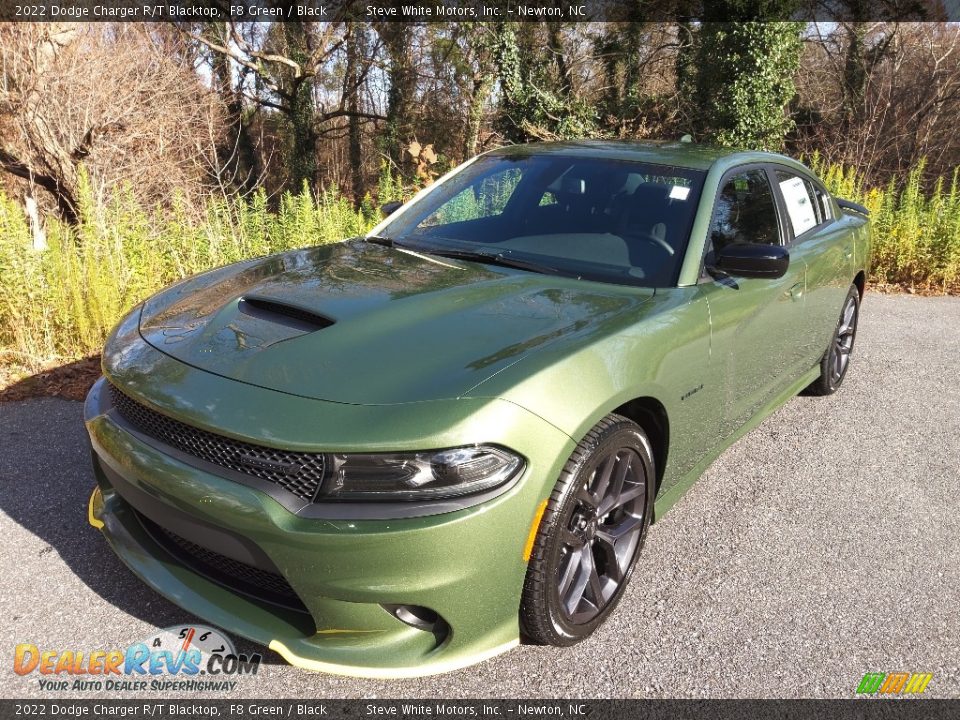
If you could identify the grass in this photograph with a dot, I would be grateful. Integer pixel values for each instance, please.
(58, 304)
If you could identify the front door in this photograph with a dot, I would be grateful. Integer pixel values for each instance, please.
(757, 325)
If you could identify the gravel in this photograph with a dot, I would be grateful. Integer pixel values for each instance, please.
(823, 545)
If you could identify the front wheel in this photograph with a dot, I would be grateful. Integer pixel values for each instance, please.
(836, 360)
(590, 534)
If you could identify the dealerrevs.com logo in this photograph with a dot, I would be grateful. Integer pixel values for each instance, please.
(188, 657)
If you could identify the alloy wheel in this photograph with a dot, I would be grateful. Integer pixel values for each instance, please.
(600, 539)
(843, 341)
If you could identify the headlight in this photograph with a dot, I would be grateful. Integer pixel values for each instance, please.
(420, 476)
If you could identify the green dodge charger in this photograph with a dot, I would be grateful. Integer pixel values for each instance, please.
(400, 454)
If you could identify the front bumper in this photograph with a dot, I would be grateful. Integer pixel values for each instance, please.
(466, 565)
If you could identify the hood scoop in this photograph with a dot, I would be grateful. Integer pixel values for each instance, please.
(282, 313)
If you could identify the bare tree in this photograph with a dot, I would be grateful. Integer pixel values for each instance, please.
(881, 97)
(288, 63)
(104, 98)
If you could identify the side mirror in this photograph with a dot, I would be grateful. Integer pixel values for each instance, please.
(752, 260)
(389, 208)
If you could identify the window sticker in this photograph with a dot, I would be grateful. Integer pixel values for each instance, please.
(802, 214)
(679, 193)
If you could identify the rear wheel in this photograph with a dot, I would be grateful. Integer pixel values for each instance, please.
(836, 360)
(590, 535)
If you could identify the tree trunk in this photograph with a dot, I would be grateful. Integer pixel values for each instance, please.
(301, 112)
(352, 85)
(555, 40)
(238, 155)
(482, 86)
(854, 74)
(400, 129)
(36, 226)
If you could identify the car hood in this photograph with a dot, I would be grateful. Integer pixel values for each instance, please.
(359, 323)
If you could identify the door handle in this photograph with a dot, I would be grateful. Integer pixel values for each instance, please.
(796, 292)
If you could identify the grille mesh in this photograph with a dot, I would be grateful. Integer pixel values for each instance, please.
(227, 571)
(297, 472)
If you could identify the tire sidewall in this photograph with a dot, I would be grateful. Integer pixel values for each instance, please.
(826, 369)
(622, 434)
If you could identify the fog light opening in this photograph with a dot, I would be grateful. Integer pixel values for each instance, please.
(420, 618)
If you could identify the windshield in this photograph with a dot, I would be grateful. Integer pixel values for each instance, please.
(593, 218)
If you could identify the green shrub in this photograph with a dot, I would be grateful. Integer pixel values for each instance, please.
(916, 234)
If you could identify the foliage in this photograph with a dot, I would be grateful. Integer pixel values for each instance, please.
(534, 104)
(881, 96)
(916, 235)
(744, 80)
(60, 303)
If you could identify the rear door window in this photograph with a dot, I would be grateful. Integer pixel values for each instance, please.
(807, 205)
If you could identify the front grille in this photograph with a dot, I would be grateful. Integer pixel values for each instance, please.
(233, 574)
(297, 472)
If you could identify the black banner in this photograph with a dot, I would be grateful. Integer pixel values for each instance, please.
(907, 709)
(415, 11)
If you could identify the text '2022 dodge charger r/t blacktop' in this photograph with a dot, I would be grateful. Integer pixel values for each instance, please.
(399, 454)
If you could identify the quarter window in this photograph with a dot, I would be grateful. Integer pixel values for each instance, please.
(823, 203)
(745, 212)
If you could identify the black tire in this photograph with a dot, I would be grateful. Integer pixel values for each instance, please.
(836, 360)
(584, 540)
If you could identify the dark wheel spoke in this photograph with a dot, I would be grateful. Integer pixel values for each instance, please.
(601, 479)
(578, 587)
(615, 573)
(587, 499)
(596, 587)
(837, 360)
(628, 495)
(569, 572)
(849, 319)
(613, 569)
(605, 512)
(585, 586)
(612, 535)
(616, 489)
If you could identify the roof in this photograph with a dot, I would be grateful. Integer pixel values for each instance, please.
(678, 154)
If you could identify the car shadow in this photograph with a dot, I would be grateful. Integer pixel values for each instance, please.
(47, 478)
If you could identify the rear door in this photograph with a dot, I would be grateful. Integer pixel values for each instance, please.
(816, 238)
(756, 324)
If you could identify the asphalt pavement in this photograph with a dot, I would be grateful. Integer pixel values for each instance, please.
(823, 545)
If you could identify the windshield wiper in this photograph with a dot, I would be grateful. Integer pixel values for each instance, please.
(501, 259)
